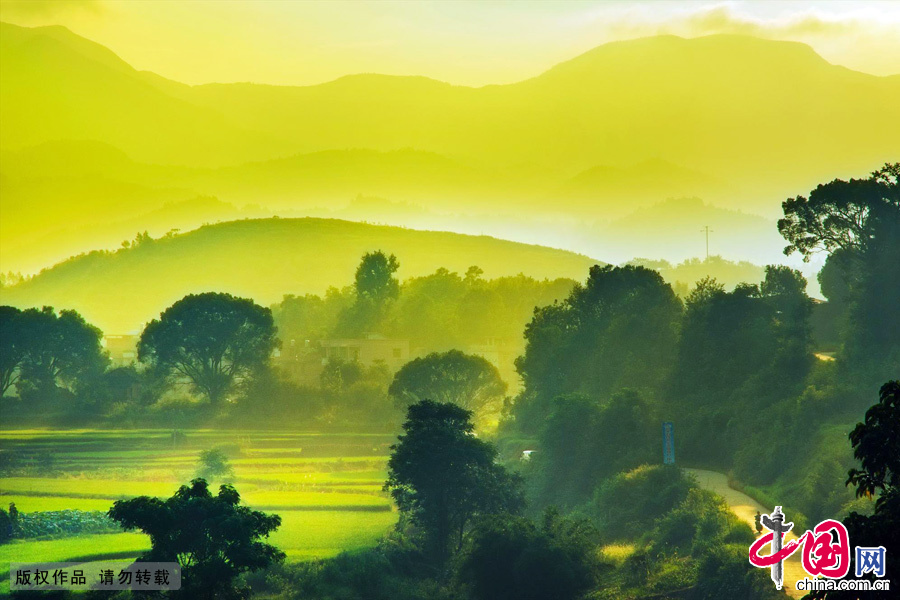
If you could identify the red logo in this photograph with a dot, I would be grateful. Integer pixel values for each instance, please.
(822, 554)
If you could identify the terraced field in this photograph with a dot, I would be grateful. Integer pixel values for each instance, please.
(326, 487)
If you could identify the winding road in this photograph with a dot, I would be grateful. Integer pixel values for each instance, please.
(745, 508)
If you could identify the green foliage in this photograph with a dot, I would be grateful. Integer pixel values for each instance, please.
(442, 477)
(354, 393)
(733, 346)
(310, 318)
(840, 214)
(64, 523)
(13, 346)
(213, 464)
(618, 330)
(49, 355)
(723, 573)
(876, 444)
(6, 526)
(584, 442)
(466, 380)
(683, 276)
(211, 339)
(270, 396)
(390, 571)
(214, 538)
(700, 523)
(375, 289)
(858, 223)
(512, 558)
(375, 279)
(627, 504)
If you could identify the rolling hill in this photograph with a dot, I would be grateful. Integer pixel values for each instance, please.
(265, 259)
(87, 142)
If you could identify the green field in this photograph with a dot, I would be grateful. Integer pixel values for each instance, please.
(327, 488)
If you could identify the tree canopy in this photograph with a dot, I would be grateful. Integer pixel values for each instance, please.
(585, 440)
(876, 445)
(441, 476)
(732, 343)
(211, 339)
(214, 538)
(617, 330)
(466, 380)
(12, 346)
(375, 278)
(857, 223)
(43, 351)
(841, 214)
(512, 558)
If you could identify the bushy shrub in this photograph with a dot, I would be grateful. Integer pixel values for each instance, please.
(512, 558)
(626, 505)
(64, 522)
(724, 573)
(214, 465)
(700, 523)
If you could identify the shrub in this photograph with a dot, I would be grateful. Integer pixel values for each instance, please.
(626, 505)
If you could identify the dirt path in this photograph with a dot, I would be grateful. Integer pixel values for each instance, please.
(745, 508)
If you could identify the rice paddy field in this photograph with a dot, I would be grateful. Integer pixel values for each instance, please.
(326, 487)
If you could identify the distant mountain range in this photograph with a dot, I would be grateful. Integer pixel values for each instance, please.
(265, 259)
(90, 147)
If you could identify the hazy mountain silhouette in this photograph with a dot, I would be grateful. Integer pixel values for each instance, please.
(739, 121)
(265, 259)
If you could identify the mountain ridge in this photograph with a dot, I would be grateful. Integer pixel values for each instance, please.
(746, 122)
(129, 286)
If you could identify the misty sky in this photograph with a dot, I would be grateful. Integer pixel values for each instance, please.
(470, 43)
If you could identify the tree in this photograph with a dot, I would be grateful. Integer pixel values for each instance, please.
(214, 464)
(784, 291)
(584, 441)
(876, 445)
(62, 351)
(841, 214)
(858, 223)
(375, 287)
(466, 380)
(441, 476)
(473, 275)
(13, 346)
(213, 538)
(511, 558)
(211, 339)
(375, 279)
(617, 330)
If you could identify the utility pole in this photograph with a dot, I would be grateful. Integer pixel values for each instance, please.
(706, 230)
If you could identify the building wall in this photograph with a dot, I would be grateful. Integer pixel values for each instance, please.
(392, 353)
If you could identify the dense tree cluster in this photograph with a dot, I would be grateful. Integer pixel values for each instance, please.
(44, 353)
(857, 223)
(584, 441)
(729, 364)
(618, 330)
(441, 311)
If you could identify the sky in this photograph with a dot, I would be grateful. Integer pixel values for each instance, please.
(464, 43)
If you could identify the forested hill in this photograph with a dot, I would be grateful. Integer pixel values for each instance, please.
(265, 259)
